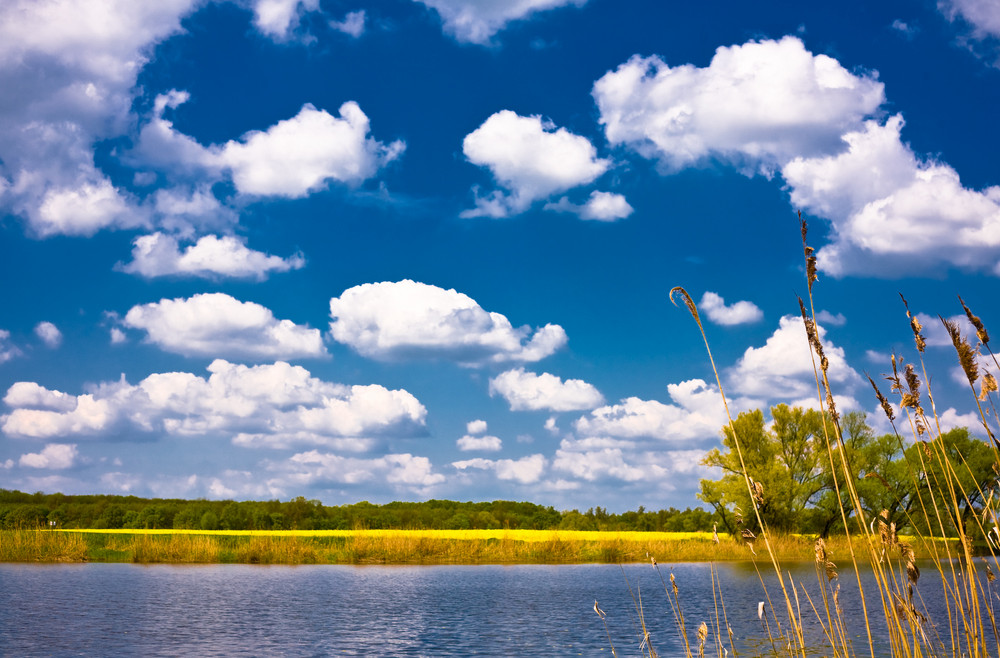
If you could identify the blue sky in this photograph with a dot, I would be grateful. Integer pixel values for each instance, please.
(402, 250)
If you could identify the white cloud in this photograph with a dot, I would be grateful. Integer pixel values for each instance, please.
(7, 350)
(353, 23)
(893, 213)
(211, 256)
(408, 319)
(185, 210)
(737, 313)
(291, 159)
(782, 368)
(215, 324)
(476, 21)
(951, 419)
(831, 319)
(600, 206)
(400, 471)
(526, 391)
(601, 460)
(756, 105)
(74, 65)
(49, 334)
(531, 159)
(983, 15)
(300, 155)
(486, 443)
(53, 455)
(476, 427)
(278, 18)
(117, 336)
(527, 470)
(273, 405)
(30, 394)
(697, 415)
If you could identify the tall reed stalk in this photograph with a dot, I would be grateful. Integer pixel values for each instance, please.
(870, 535)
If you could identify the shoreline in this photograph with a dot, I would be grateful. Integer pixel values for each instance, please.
(403, 547)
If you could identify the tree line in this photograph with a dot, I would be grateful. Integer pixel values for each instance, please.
(796, 489)
(27, 510)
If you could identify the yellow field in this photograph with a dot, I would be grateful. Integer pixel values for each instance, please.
(388, 546)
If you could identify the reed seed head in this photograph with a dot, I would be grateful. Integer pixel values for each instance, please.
(966, 353)
(687, 302)
(981, 333)
(886, 407)
(915, 325)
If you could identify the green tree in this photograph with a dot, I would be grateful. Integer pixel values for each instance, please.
(784, 461)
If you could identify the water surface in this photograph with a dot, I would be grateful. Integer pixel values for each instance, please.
(528, 610)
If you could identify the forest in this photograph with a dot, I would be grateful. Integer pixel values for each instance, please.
(33, 510)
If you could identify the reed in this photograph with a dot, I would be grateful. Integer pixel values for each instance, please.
(871, 538)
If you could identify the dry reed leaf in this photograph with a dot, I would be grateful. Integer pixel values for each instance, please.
(597, 609)
(989, 385)
(760, 610)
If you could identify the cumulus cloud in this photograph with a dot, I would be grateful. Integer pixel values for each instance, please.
(54, 456)
(608, 460)
(75, 78)
(117, 336)
(773, 107)
(526, 470)
(600, 206)
(49, 334)
(756, 105)
(477, 439)
(486, 443)
(215, 324)
(314, 468)
(476, 21)
(300, 155)
(353, 23)
(893, 212)
(782, 368)
(272, 406)
(698, 414)
(279, 18)
(531, 160)
(291, 159)
(211, 256)
(742, 312)
(407, 319)
(526, 391)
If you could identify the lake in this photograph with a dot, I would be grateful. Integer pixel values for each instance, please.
(526, 610)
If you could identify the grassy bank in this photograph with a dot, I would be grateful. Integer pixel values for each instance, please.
(384, 547)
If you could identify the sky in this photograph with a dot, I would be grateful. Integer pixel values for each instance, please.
(414, 249)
